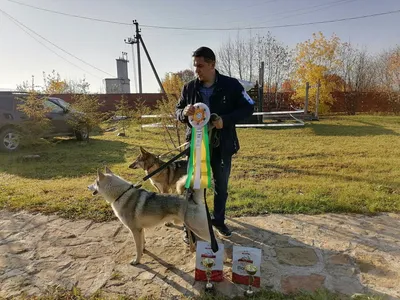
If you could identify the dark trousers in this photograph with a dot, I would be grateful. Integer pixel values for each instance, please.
(221, 169)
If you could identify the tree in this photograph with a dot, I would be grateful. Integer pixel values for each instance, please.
(124, 113)
(277, 63)
(172, 84)
(315, 60)
(287, 86)
(242, 59)
(35, 124)
(174, 130)
(87, 114)
(388, 66)
(173, 81)
(356, 68)
(53, 84)
(141, 108)
(185, 75)
(239, 62)
(25, 87)
(237, 58)
(225, 58)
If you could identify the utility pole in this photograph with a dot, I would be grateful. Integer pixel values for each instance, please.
(306, 101)
(137, 40)
(152, 66)
(317, 98)
(261, 91)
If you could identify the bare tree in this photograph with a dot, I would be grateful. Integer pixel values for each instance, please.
(54, 84)
(185, 75)
(277, 60)
(242, 58)
(357, 69)
(388, 75)
(239, 62)
(225, 58)
(358, 73)
(250, 54)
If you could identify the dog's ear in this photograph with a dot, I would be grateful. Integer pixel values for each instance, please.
(142, 150)
(100, 175)
(108, 171)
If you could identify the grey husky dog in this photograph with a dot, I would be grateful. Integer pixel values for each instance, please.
(138, 209)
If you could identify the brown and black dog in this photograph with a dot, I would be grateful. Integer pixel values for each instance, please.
(170, 180)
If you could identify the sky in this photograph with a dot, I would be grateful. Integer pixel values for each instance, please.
(97, 45)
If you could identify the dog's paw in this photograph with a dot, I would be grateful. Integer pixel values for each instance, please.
(134, 262)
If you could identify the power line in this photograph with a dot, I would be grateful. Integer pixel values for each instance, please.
(210, 29)
(287, 12)
(74, 56)
(44, 45)
(109, 21)
(306, 10)
(70, 15)
(275, 26)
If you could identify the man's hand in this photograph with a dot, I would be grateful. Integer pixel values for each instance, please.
(188, 110)
(218, 123)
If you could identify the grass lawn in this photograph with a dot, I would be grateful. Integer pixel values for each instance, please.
(339, 164)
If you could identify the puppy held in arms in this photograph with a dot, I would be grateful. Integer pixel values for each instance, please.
(138, 208)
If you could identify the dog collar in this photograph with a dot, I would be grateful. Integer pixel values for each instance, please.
(147, 169)
(130, 187)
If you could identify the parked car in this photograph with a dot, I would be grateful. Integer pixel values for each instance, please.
(11, 118)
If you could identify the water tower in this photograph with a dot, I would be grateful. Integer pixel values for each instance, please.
(121, 84)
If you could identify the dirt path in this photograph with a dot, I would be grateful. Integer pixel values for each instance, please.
(344, 253)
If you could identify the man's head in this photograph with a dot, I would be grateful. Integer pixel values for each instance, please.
(204, 63)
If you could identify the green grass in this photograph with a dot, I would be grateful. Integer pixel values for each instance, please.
(75, 294)
(339, 164)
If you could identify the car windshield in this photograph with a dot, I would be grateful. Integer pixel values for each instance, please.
(61, 102)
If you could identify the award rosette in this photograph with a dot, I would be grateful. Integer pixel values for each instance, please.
(199, 169)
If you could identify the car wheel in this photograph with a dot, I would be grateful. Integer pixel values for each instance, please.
(9, 140)
(82, 134)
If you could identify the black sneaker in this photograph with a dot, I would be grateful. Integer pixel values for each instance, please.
(222, 229)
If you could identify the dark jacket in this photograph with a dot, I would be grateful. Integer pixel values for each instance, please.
(228, 101)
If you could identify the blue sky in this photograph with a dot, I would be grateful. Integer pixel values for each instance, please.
(99, 44)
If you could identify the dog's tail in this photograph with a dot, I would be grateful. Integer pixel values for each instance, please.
(180, 185)
(207, 235)
(214, 243)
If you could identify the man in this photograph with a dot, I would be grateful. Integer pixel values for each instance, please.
(226, 97)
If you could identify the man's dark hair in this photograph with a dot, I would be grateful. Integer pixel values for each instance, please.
(205, 52)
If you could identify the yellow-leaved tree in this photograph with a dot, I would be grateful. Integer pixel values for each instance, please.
(172, 84)
(316, 61)
(53, 84)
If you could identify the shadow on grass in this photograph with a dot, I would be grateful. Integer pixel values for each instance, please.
(275, 128)
(369, 129)
(274, 171)
(63, 159)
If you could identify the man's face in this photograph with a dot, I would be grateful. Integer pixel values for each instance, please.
(203, 69)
